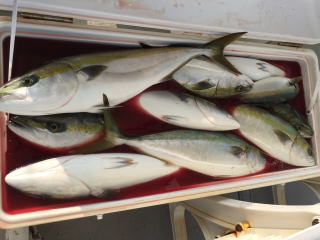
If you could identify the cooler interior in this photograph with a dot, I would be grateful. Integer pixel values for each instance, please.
(33, 52)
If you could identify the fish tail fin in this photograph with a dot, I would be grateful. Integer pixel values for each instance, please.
(218, 46)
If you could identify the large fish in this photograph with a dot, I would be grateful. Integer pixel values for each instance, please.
(60, 131)
(294, 117)
(75, 84)
(208, 79)
(273, 135)
(256, 69)
(99, 175)
(272, 90)
(211, 153)
(185, 110)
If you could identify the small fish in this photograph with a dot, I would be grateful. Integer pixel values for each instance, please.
(75, 84)
(210, 153)
(272, 90)
(99, 175)
(58, 132)
(273, 135)
(208, 79)
(256, 69)
(291, 115)
(185, 110)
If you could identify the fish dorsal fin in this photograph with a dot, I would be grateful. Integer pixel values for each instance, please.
(112, 133)
(203, 85)
(105, 101)
(283, 137)
(91, 72)
(237, 151)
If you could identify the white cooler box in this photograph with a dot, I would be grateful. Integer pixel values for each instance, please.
(50, 29)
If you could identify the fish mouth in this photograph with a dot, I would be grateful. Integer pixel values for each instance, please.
(305, 131)
(13, 94)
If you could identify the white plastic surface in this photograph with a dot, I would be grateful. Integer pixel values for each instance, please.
(309, 67)
(277, 20)
(215, 215)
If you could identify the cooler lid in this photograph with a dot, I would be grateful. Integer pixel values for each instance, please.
(275, 20)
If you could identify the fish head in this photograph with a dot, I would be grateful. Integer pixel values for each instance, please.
(58, 131)
(305, 130)
(243, 86)
(208, 79)
(40, 91)
(47, 179)
(301, 153)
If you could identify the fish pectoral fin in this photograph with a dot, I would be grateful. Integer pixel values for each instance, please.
(104, 193)
(184, 97)
(283, 137)
(145, 45)
(203, 85)
(121, 162)
(172, 118)
(91, 72)
(237, 151)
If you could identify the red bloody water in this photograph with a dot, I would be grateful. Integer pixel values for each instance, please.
(31, 53)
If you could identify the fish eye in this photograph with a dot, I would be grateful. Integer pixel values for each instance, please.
(30, 80)
(55, 127)
(240, 88)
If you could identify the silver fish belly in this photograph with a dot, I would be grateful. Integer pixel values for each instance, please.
(99, 175)
(185, 110)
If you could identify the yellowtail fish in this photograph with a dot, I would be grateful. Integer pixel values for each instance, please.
(60, 131)
(99, 175)
(211, 153)
(75, 84)
(208, 79)
(256, 69)
(272, 90)
(187, 111)
(293, 116)
(273, 135)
